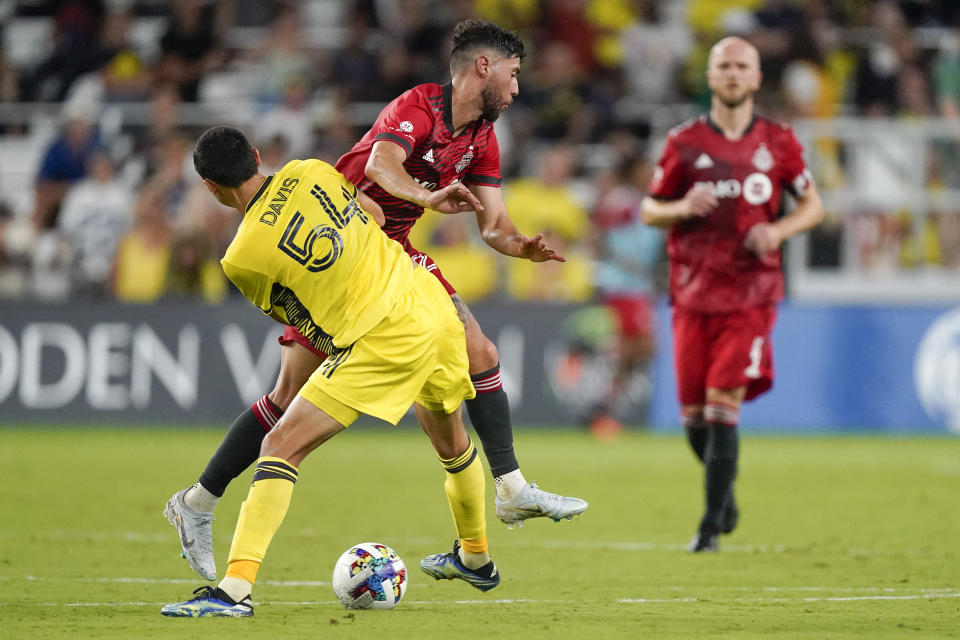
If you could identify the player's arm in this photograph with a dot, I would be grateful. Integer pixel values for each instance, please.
(370, 205)
(697, 202)
(385, 167)
(498, 230)
(766, 237)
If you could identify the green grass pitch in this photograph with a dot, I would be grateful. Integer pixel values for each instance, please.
(840, 537)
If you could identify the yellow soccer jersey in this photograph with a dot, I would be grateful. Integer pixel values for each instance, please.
(309, 256)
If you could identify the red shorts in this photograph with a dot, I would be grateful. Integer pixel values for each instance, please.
(291, 334)
(634, 314)
(427, 263)
(723, 351)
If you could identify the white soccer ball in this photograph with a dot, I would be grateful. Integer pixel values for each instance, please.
(369, 575)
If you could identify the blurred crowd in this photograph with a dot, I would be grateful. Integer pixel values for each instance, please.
(111, 207)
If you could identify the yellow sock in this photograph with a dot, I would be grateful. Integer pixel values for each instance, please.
(260, 516)
(465, 494)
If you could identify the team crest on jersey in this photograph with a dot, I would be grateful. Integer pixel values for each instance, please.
(406, 126)
(465, 160)
(762, 158)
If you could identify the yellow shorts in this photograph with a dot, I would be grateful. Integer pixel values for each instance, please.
(417, 353)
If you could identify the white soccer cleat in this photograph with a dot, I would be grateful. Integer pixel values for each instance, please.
(534, 502)
(195, 529)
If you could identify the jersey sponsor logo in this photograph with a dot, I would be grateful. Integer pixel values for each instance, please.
(762, 158)
(722, 188)
(406, 126)
(757, 188)
(429, 186)
(703, 162)
(428, 156)
(465, 160)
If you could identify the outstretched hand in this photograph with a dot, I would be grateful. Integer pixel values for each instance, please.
(453, 198)
(536, 250)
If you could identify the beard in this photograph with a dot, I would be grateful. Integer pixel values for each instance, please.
(733, 103)
(491, 106)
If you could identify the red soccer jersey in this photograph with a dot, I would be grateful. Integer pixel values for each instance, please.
(710, 270)
(421, 122)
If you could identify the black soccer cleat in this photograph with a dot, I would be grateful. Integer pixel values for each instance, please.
(703, 543)
(730, 516)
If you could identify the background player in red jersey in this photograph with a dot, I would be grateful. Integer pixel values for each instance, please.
(432, 147)
(718, 189)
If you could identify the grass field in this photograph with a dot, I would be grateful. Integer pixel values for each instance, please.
(840, 537)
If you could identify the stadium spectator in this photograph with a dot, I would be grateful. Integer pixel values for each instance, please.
(547, 202)
(355, 67)
(77, 26)
(190, 47)
(281, 57)
(654, 48)
(96, 213)
(142, 260)
(126, 76)
(717, 188)
(292, 119)
(626, 254)
(64, 162)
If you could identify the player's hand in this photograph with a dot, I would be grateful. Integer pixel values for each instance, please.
(763, 238)
(700, 201)
(453, 198)
(536, 250)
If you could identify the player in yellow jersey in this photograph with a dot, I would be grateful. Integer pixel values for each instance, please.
(309, 256)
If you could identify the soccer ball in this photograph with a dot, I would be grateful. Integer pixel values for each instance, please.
(369, 575)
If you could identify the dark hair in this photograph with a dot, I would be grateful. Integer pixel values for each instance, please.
(471, 35)
(224, 156)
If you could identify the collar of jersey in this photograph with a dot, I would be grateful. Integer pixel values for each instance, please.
(713, 125)
(447, 92)
(256, 196)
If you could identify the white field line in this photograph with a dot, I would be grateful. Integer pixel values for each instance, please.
(326, 583)
(927, 596)
(918, 596)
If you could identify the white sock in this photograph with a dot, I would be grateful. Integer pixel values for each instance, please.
(236, 588)
(509, 484)
(473, 560)
(199, 499)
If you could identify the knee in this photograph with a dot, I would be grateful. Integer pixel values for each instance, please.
(482, 353)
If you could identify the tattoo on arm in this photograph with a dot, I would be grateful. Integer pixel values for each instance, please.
(462, 311)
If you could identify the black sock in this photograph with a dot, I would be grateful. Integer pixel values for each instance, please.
(720, 470)
(490, 414)
(697, 434)
(486, 571)
(240, 446)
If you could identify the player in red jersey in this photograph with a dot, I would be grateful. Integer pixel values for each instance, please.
(432, 147)
(718, 188)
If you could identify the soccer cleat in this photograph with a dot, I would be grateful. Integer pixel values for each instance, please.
(208, 602)
(730, 517)
(195, 529)
(534, 502)
(703, 542)
(447, 566)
